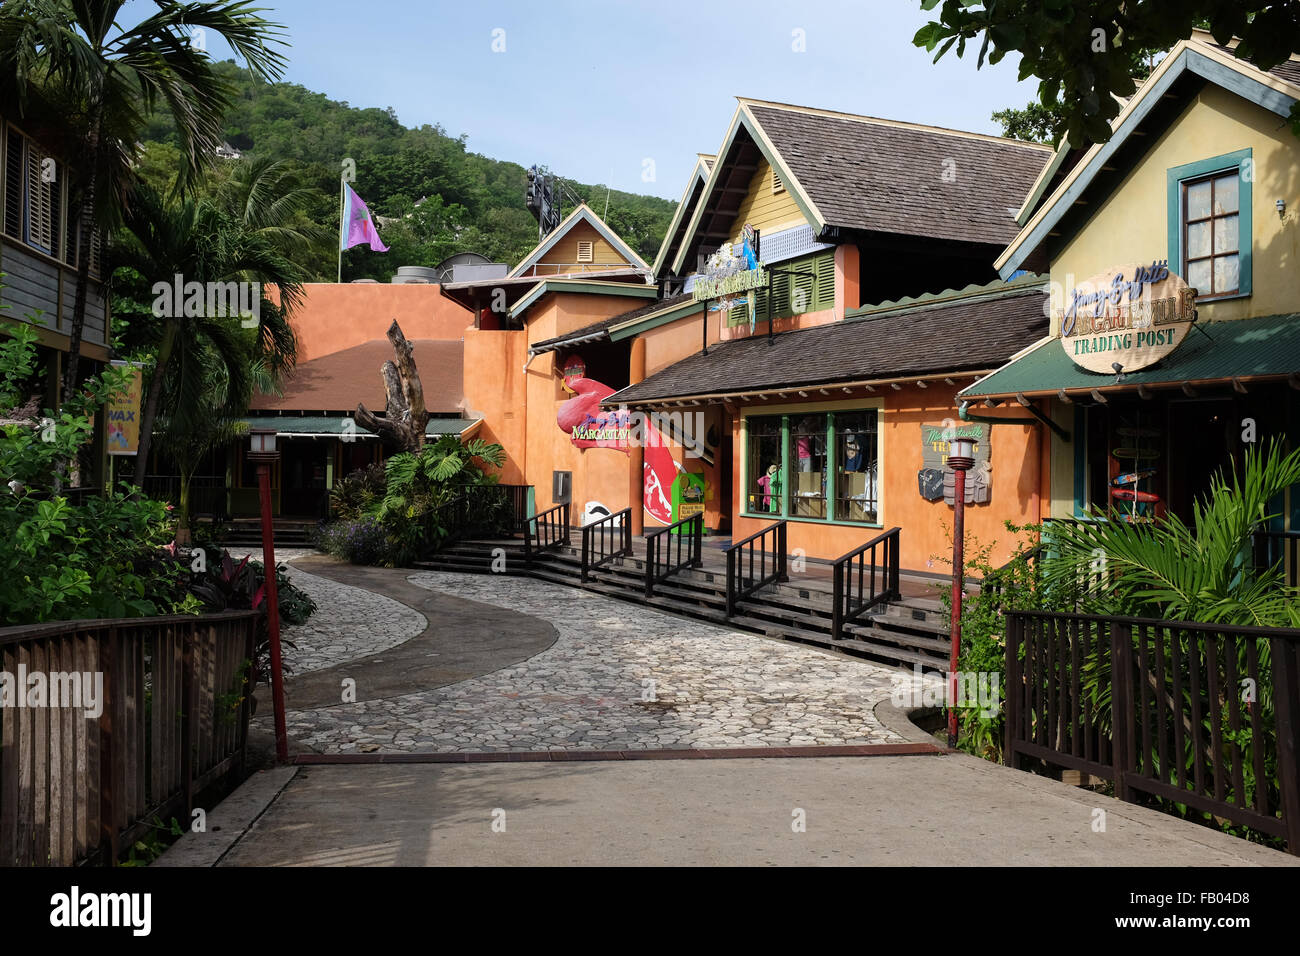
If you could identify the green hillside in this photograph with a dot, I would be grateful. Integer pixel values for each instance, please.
(472, 203)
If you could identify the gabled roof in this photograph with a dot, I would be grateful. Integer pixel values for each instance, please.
(1193, 59)
(867, 174)
(911, 340)
(676, 231)
(581, 287)
(585, 214)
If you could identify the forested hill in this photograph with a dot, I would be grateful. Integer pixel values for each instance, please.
(471, 202)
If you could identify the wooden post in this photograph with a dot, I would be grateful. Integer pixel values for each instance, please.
(107, 794)
(188, 736)
(1286, 691)
(1121, 706)
(1015, 688)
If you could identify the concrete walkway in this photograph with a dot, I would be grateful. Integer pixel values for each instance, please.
(945, 809)
(863, 811)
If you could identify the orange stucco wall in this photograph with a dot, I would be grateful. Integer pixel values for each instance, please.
(925, 525)
(494, 391)
(335, 316)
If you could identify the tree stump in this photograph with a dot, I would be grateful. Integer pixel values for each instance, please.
(405, 416)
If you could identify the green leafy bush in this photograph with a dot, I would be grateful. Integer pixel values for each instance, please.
(390, 521)
(107, 557)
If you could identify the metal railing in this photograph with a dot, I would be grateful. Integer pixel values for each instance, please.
(1202, 715)
(767, 549)
(172, 695)
(207, 493)
(605, 540)
(863, 578)
(498, 510)
(550, 529)
(684, 549)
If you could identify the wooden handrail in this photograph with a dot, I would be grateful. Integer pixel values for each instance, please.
(1166, 709)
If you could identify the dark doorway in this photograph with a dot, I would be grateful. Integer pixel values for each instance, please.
(302, 478)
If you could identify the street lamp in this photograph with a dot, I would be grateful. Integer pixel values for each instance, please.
(262, 452)
(961, 456)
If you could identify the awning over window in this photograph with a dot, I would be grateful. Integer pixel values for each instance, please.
(325, 426)
(1214, 353)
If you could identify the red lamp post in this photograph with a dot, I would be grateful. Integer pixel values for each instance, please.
(263, 453)
(961, 457)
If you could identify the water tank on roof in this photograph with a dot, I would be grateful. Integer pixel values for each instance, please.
(469, 267)
(420, 275)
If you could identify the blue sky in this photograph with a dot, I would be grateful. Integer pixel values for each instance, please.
(594, 89)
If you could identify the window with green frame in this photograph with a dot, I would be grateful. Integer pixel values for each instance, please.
(793, 294)
(1209, 205)
(817, 466)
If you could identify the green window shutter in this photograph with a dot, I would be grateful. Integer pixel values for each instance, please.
(824, 266)
(780, 296)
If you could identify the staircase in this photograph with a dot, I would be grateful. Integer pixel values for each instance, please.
(902, 631)
(247, 533)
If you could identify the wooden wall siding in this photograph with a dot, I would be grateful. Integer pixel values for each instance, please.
(565, 251)
(32, 282)
(175, 718)
(94, 330)
(765, 211)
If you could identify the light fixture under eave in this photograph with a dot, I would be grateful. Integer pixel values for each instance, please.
(1144, 392)
(1064, 398)
(1098, 397)
(1188, 390)
(895, 386)
(1020, 397)
(1238, 387)
(921, 384)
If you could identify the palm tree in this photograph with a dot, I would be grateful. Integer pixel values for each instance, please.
(196, 239)
(1176, 571)
(271, 201)
(109, 77)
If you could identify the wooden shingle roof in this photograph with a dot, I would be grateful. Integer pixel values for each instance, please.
(960, 333)
(884, 176)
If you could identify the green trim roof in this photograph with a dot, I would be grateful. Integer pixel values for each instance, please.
(327, 425)
(585, 286)
(1214, 352)
(583, 213)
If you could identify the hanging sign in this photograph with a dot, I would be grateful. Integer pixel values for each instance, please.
(123, 415)
(730, 271)
(574, 369)
(1126, 318)
(936, 480)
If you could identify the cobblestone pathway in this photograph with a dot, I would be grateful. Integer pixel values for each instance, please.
(349, 622)
(618, 677)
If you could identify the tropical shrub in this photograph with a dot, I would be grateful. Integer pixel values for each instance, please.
(107, 557)
(357, 493)
(224, 585)
(390, 520)
(1016, 585)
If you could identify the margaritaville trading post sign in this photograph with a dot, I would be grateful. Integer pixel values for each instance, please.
(1126, 318)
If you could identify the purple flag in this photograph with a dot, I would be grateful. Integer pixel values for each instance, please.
(358, 225)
